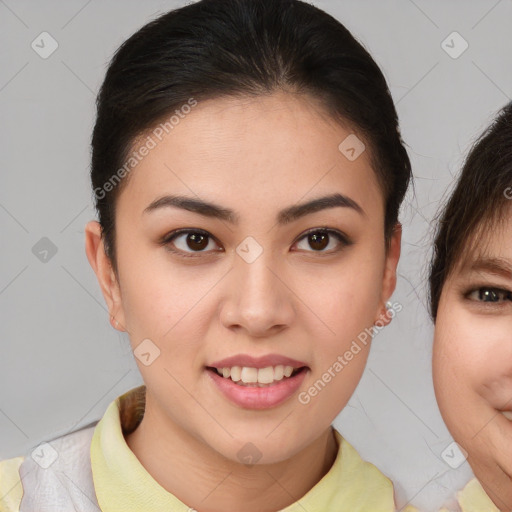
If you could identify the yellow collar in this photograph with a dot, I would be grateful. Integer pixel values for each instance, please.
(122, 483)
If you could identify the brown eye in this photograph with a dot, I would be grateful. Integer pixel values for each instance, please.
(187, 242)
(320, 239)
(197, 241)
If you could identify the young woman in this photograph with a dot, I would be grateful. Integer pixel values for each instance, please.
(471, 304)
(248, 172)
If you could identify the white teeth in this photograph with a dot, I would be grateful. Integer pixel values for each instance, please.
(507, 414)
(236, 373)
(249, 374)
(265, 375)
(261, 376)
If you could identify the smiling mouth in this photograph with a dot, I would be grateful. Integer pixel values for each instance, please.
(257, 377)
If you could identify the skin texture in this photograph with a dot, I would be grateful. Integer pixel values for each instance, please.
(255, 156)
(472, 363)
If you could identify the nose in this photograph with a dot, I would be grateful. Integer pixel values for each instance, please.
(259, 300)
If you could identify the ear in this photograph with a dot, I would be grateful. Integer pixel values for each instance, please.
(389, 276)
(105, 274)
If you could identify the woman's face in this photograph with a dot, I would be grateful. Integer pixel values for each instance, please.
(243, 279)
(472, 362)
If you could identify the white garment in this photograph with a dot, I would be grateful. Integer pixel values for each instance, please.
(67, 484)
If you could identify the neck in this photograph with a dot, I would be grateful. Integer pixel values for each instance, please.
(209, 482)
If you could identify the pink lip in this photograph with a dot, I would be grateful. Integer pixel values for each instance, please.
(254, 397)
(256, 362)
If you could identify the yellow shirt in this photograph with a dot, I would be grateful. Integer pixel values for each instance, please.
(122, 484)
(473, 498)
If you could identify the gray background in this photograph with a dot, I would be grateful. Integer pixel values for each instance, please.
(61, 363)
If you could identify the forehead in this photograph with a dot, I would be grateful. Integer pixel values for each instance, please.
(489, 248)
(277, 148)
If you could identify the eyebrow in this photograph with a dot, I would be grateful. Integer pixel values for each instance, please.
(285, 216)
(496, 266)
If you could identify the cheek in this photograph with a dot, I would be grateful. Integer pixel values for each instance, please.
(348, 308)
(461, 346)
(159, 295)
(476, 349)
(453, 368)
(472, 368)
(496, 363)
(345, 297)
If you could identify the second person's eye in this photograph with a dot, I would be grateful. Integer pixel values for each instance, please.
(490, 295)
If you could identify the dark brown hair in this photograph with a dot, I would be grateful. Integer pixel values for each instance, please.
(215, 48)
(477, 204)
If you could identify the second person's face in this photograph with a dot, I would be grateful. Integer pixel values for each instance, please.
(472, 362)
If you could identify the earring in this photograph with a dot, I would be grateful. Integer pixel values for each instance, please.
(112, 321)
(379, 322)
(389, 307)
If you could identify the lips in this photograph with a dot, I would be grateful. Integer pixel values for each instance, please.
(258, 396)
(257, 382)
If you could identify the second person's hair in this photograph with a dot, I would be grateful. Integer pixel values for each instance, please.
(482, 193)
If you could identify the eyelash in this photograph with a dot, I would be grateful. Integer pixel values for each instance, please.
(503, 295)
(169, 237)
